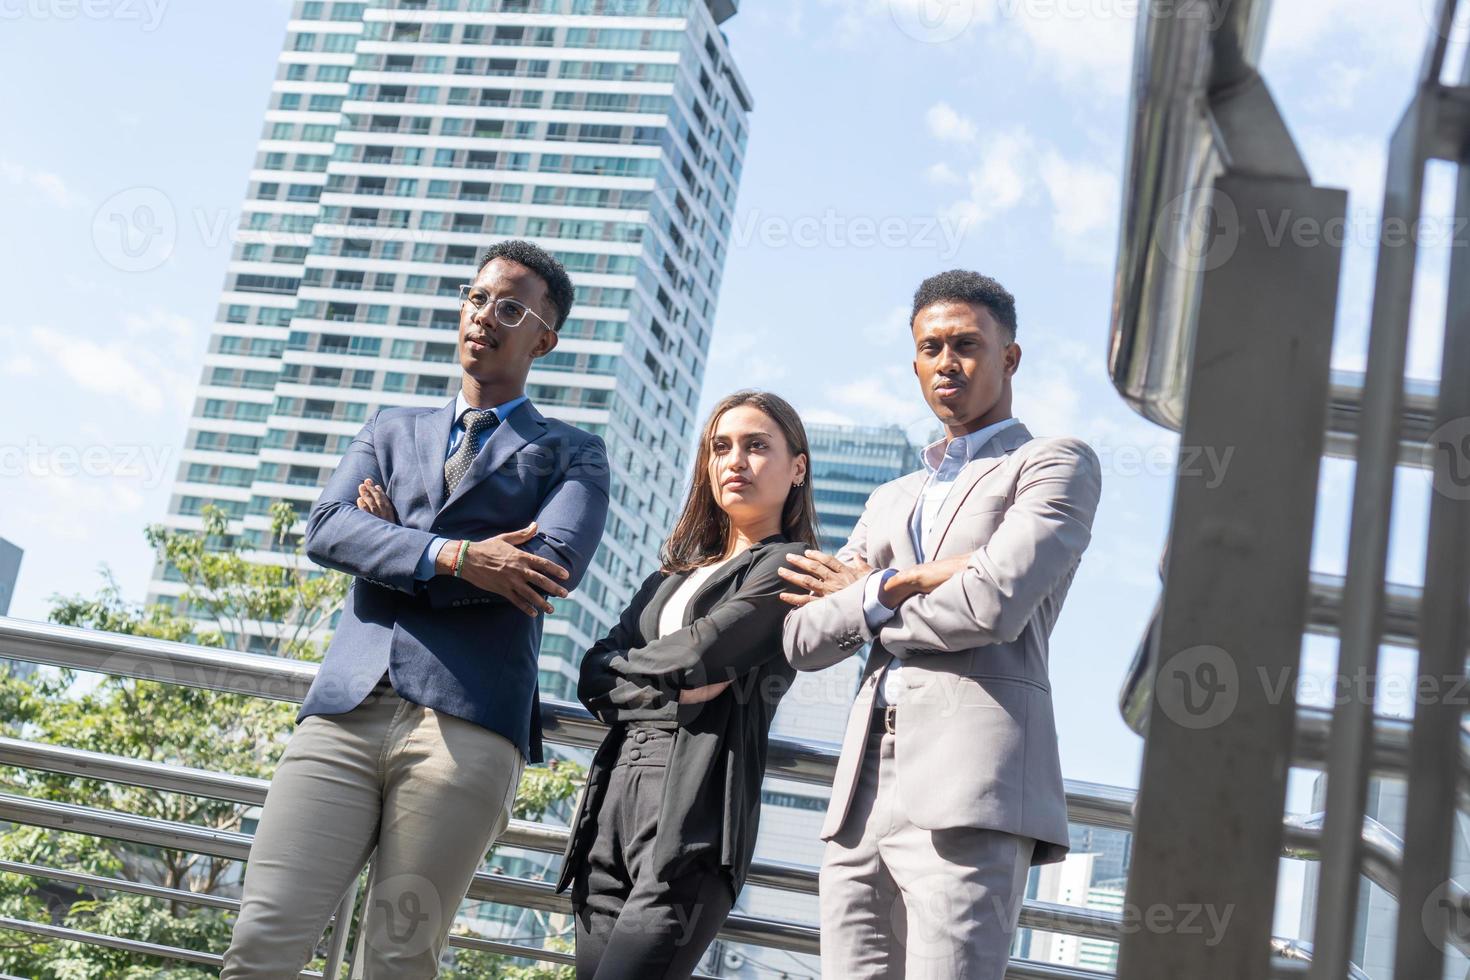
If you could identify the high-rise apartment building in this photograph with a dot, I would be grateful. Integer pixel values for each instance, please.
(403, 137)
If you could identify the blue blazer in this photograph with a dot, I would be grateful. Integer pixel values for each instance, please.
(445, 644)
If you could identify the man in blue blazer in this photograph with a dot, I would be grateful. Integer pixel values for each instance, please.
(459, 525)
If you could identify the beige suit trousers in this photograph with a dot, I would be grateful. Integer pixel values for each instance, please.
(900, 901)
(429, 791)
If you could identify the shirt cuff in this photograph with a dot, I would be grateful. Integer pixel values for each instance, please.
(874, 612)
(425, 569)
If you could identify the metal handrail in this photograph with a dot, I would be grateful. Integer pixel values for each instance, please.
(1313, 725)
(180, 895)
(250, 674)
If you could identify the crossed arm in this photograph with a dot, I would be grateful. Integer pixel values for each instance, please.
(736, 637)
(354, 529)
(962, 602)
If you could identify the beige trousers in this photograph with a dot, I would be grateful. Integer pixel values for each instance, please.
(429, 791)
(900, 901)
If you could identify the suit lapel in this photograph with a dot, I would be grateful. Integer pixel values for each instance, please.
(900, 536)
(1001, 445)
(648, 619)
(431, 439)
(524, 425)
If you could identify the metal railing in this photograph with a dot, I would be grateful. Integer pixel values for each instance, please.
(1204, 133)
(566, 724)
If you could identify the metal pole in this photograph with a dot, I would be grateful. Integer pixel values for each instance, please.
(1362, 606)
(341, 925)
(1428, 914)
(1235, 600)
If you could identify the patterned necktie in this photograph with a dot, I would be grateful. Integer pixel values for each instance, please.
(476, 424)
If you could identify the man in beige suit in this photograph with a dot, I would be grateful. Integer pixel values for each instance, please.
(949, 786)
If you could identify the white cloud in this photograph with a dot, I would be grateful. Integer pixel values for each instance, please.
(1010, 169)
(998, 180)
(137, 365)
(746, 356)
(1088, 45)
(942, 174)
(49, 185)
(19, 364)
(890, 327)
(72, 508)
(889, 396)
(1085, 202)
(104, 369)
(1391, 29)
(946, 124)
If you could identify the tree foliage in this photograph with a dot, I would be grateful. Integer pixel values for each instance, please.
(230, 595)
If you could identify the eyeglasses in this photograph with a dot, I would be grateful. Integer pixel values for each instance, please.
(507, 312)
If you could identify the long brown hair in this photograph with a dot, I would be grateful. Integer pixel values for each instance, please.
(703, 530)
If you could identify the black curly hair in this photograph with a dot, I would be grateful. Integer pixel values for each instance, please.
(559, 286)
(963, 286)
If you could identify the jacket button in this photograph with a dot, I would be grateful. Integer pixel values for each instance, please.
(642, 736)
(635, 754)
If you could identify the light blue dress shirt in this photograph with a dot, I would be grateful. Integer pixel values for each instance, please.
(944, 462)
(425, 569)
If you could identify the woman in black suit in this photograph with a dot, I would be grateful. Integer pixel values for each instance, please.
(689, 680)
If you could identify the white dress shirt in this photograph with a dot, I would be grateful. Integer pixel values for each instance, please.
(671, 617)
(944, 461)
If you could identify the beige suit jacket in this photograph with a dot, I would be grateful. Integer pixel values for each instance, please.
(976, 736)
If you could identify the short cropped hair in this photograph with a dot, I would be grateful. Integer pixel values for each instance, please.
(963, 286)
(559, 286)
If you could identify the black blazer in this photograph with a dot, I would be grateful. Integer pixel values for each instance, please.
(712, 792)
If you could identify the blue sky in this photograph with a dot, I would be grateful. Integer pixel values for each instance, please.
(884, 146)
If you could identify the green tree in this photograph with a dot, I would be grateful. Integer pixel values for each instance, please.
(227, 599)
